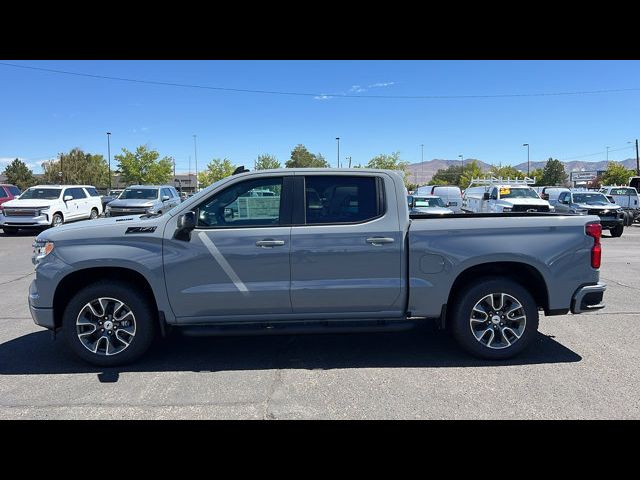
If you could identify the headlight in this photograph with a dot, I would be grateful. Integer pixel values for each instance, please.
(507, 209)
(41, 248)
(150, 211)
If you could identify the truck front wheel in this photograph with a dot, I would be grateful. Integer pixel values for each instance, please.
(617, 230)
(496, 319)
(109, 324)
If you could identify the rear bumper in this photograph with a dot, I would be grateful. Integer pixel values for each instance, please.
(588, 298)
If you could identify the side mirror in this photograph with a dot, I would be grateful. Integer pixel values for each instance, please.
(610, 198)
(165, 198)
(410, 201)
(485, 196)
(186, 223)
(67, 198)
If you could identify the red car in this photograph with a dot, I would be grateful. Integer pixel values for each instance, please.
(8, 192)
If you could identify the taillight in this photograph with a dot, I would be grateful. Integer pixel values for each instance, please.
(595, 230)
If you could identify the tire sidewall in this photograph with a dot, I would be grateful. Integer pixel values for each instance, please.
(141, 308)
(460, 320)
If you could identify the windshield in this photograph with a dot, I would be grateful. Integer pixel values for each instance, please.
(517, 193)
(41, 194)
(139, 193)
(590, 198)
(114, 193)
(429, 202)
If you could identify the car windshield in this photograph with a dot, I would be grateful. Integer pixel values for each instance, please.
(429, 202)
(139, 193)
(517, 193)
(41, 194)
(114, 193)
(590, 198)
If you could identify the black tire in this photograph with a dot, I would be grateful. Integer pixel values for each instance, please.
(144, 315)
(625, 218)
(462, 313)
(94, 214)
(10, 230)
(56, 216)
(617, 230)
(630, 219)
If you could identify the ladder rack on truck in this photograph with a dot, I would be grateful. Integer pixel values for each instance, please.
(502, 181)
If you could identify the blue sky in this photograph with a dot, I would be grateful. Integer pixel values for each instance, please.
(45, 113)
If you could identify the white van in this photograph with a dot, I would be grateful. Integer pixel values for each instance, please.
(451, 195)
(493, 196)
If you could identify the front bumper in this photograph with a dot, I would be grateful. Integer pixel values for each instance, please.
(611, 222)
(25, 222)
(588, 298)
(41, 316)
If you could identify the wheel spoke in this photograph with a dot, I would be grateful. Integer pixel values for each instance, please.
(488, 315)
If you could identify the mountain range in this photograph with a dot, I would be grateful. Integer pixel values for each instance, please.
(422, 172)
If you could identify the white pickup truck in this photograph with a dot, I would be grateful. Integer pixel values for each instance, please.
(497, 195)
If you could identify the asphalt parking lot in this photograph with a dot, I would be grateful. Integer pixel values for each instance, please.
(581, 366)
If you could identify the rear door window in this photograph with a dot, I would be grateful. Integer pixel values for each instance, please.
(15, 191)
(3, 194)
(93, 192)
(342, 199)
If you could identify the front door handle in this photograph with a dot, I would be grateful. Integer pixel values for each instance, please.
(377, 241)
(268, 243)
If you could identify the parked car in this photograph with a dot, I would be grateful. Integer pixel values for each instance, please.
(110, 197)
(627, 198)
(451, 195)
(143, 199)
(45, 206)
(359, 263)
(487, 196)
(428, 204)
(550, 193)
(586, 202)
(8, 192)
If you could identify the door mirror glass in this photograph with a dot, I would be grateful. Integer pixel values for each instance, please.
(410, 201)
(186, 223)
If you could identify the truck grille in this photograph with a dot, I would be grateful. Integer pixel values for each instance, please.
(530, 208)
(20, 212)
(118, 212)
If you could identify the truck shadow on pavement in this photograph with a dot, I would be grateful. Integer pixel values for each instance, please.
(422, 347)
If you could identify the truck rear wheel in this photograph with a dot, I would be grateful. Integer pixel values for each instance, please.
(496, 319)
(617, 230)
(109, 324)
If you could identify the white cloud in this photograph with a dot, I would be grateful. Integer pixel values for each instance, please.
(381, 84)
(322, 97)
(357, 89)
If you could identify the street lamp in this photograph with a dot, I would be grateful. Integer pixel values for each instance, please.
(607, 153)
(461, 160)
(195, 150)
(109, 153)
(422, 160)
(528, 165)
(338, 139)
(349, 161)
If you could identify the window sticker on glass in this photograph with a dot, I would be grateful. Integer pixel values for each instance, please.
(505, 191)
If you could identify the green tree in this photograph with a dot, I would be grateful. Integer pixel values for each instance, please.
(266, 161)
(506, 172)
(217, 169)
(553, 173)
(537, 173)
(448, 176)
(18, 174)
(303, 158)
(470, 171)
(390, 162)
(144, 166)
(77, 168)
(616, 174)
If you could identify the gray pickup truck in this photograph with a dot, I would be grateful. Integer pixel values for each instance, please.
(332, 250)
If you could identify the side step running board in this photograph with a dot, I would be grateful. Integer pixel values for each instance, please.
(295, 328)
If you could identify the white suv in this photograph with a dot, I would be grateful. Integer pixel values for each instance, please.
(50, 206)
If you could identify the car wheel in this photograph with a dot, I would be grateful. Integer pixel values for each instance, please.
(109, 324)
(629, 218)
(10, 230)
(57, 220)
(496, 319)
(617, 230)
(94, 214)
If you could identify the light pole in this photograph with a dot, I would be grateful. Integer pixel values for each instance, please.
(338, 139)
(349, 161)
(608, 153)
(637, 158)
(109, 153)
(528, 165)
(422, 160)
(195, 151)
(461, 161)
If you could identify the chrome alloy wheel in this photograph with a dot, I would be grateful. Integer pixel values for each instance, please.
(498, 320)
(106, 326)
(57, 221)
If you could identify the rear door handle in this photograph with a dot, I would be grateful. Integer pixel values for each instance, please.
(377, 241)
(268, 243)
